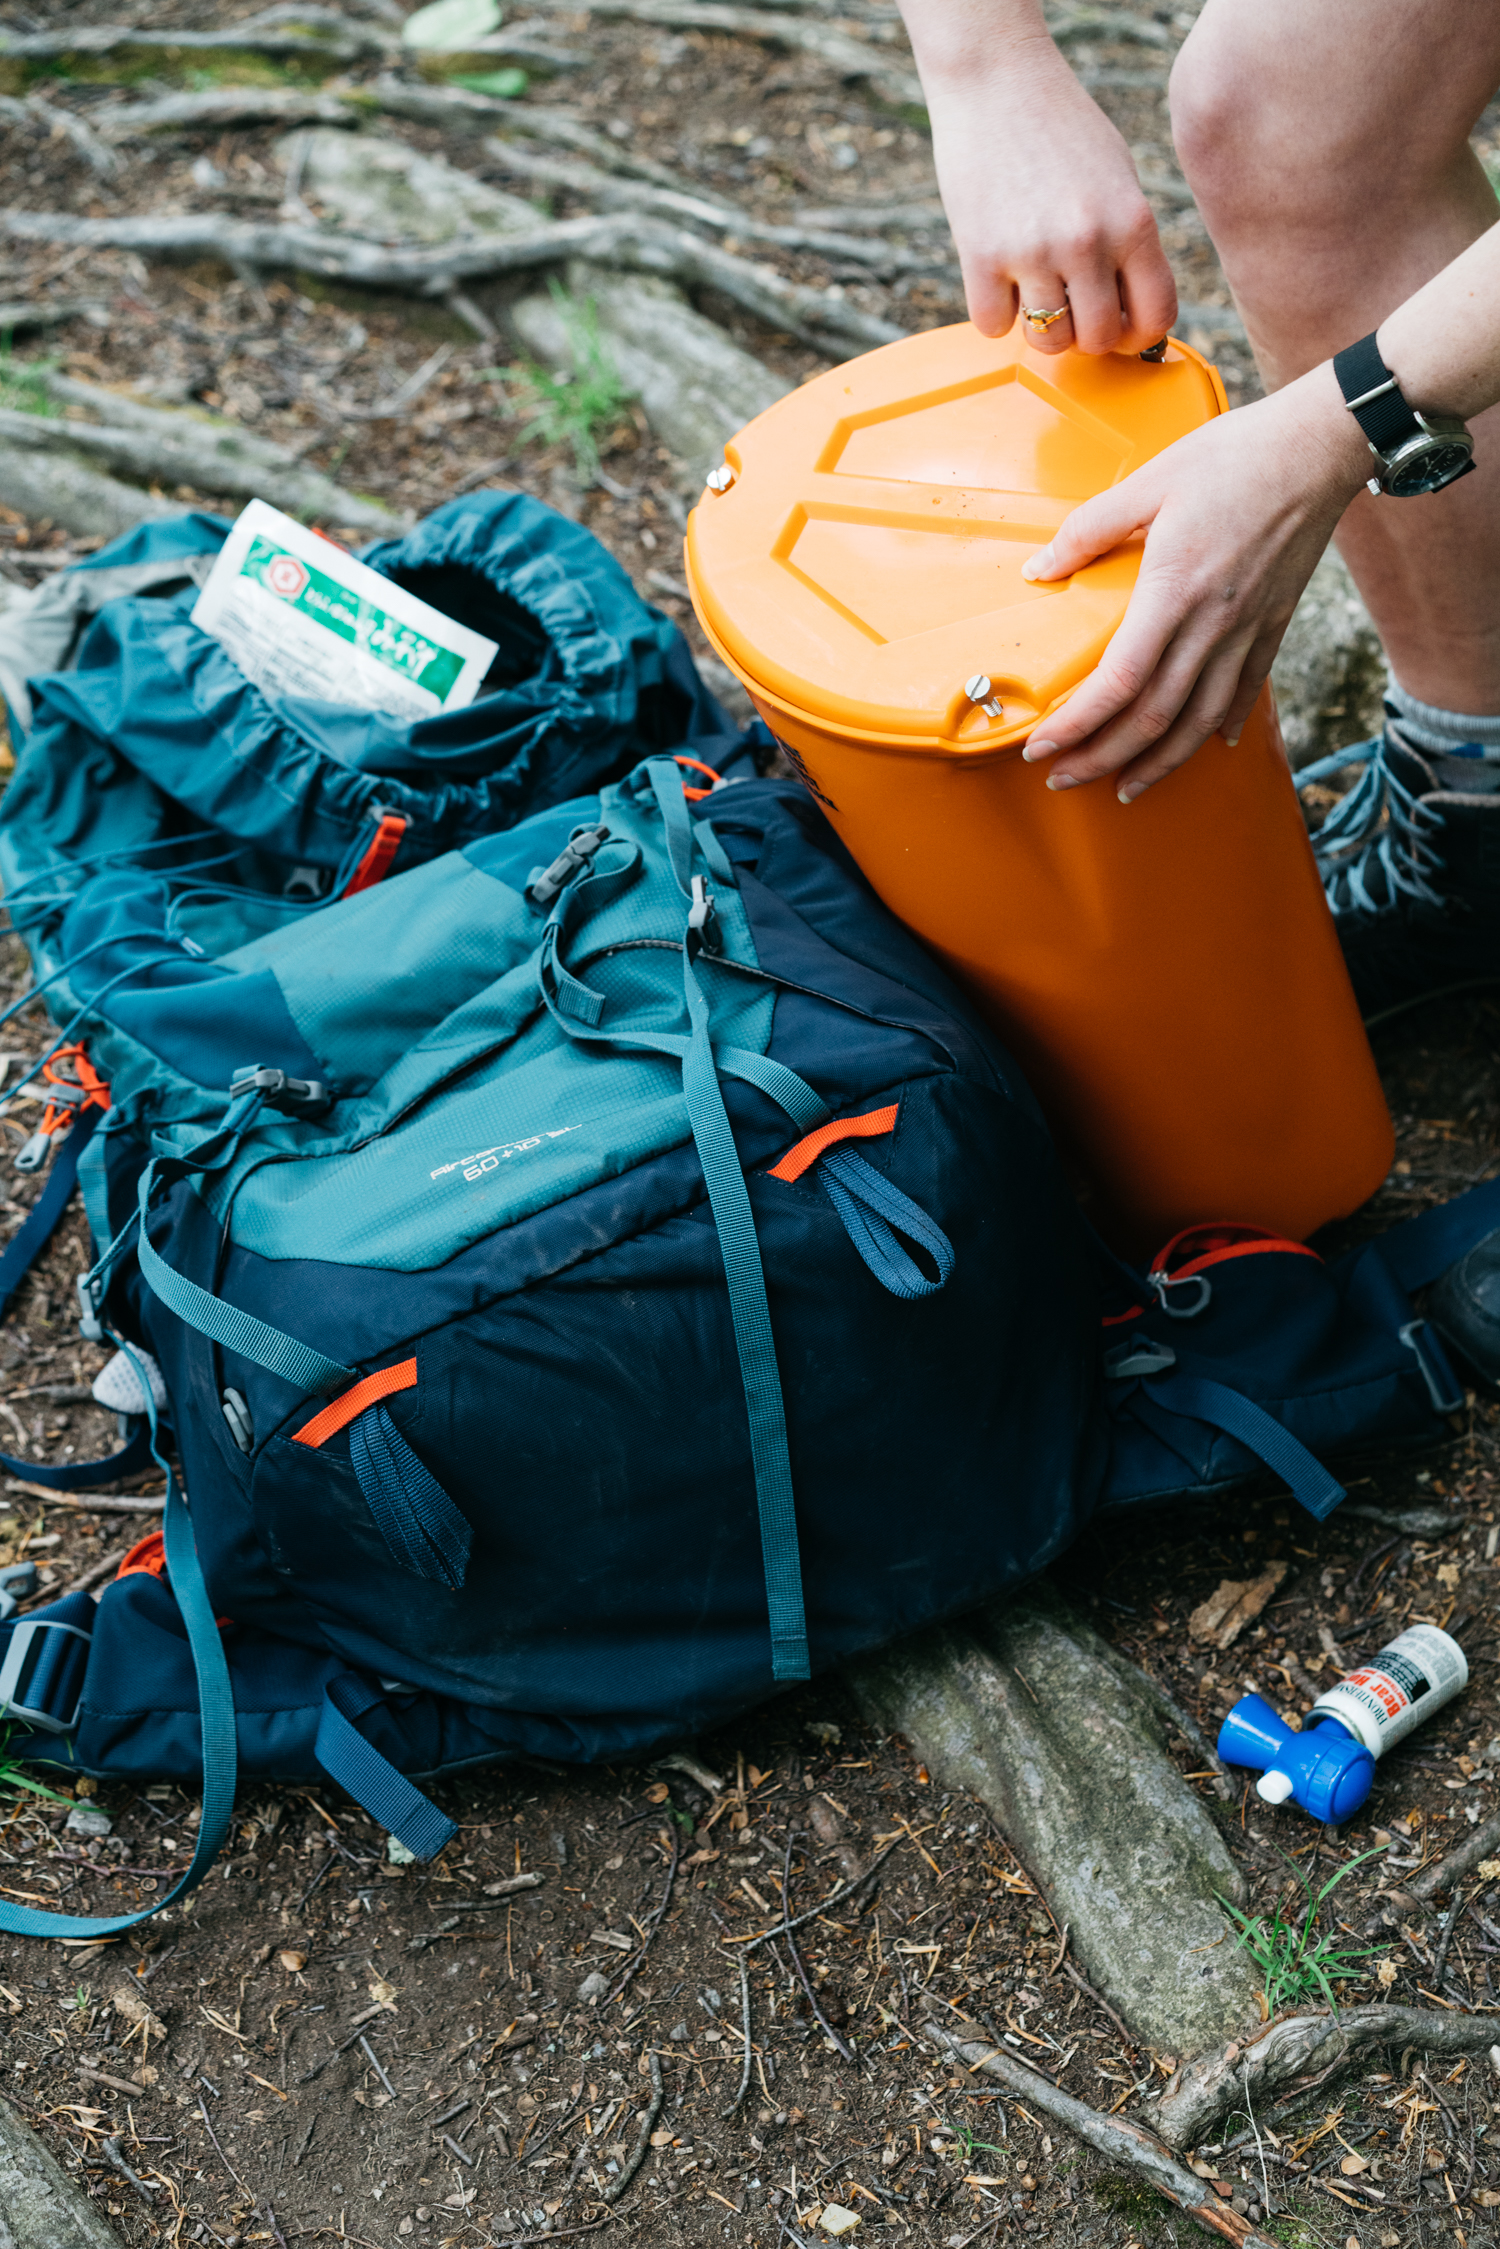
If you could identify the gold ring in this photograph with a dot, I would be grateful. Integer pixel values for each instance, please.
(1042, 321)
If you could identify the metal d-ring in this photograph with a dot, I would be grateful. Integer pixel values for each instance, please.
(1163, 1283)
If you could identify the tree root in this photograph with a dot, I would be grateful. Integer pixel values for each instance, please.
(1300, 2052)
(1127, 2144)
(817, 316)
(283, 31)
(852, 58)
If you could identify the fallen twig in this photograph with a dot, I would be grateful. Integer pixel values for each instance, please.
(21, 314)
(87, 1503)
(384, 409)
(1481, 1843)
(1130, 2145)
(633, 1970)
(117, 2162)
(840, 1896)
(1089, 1993)
(744, 2086)
(1299, 2052)
(640, 244)
(115, 2084)
(802, 1976)
(637, 2155)
(374, 2064)
(34, 111)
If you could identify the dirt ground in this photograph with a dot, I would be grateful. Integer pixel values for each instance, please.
(326, 2045)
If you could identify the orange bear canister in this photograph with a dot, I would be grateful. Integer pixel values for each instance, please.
(1166, 972)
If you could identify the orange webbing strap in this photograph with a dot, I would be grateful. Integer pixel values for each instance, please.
(376, 863)
(806, 1153)
(382, 1384)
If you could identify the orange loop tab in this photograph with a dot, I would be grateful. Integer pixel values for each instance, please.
(376, 863)
(872, 1126)
(384, 1383)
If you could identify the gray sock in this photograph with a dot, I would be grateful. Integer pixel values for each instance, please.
(1442, 733)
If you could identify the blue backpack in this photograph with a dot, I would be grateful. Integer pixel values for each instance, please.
(599, 1274)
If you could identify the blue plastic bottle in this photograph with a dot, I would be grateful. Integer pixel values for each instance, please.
(1329, 1768)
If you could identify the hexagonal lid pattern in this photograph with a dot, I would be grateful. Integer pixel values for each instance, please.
(864, 561)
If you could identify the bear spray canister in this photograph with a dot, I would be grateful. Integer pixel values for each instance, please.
(1329, 1767)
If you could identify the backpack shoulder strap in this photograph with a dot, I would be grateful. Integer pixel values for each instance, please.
(1421, 1248)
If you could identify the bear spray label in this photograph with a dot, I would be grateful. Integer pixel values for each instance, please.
(1404, 1684)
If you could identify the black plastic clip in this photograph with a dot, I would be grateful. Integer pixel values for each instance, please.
(90, 1298)
(1155, 353)
(46, 1669)
(544, 883)
(295, 1097)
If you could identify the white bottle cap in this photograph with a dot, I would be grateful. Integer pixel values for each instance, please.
(1274, 1787)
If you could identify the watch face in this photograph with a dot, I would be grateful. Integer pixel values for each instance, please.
(1427, 468)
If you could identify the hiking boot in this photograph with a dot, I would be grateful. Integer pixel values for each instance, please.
(1410, 861)
(1464, 1306)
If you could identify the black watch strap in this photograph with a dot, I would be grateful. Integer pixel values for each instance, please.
(1385, 417)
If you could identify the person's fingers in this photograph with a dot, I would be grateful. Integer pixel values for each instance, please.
(1097, 526)
(1046, 292)
(1253, 677)
(1202, 715)
(1129, 677)
(1095, 301)
(1177, 709)
(992, 297)
(1149, 294)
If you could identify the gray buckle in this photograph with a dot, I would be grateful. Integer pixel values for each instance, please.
(1143, 1357)
(544, 883)
(1162, 1284)
(17, 1584)
(15, 1669)
(297, 1097)
(1442, 1385)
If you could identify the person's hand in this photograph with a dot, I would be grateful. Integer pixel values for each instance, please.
(1235, 516)
(1045, 206)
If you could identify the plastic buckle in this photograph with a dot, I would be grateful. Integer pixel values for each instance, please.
(33, 1156)
(1162, 1283)
(296, 1097)
(702, 918)
(24, 1659)
(544, 883)
(1144, 1356)
(1442, 1383)
(90, 1297)
(17, 1584)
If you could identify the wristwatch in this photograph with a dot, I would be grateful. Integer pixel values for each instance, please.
(1416, 452)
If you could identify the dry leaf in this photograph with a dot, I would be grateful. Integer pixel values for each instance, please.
(135, 2009)
(292, 1961)
(837, 2220)
(1449, 1574)
(1352, 2165)
(1488, 2199)
(1489, 1868)
(1385, 1974)
(383, 1993)
(657, 1792)
(662, 2139)
(1223, 1616)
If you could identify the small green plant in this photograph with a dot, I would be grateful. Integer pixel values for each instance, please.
(23, 382)
(1297, 1961)
(79, 2003)
(578, 408)
(972, 2145)
(11, 1775)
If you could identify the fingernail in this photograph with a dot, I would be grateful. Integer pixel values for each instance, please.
(1233, 739)
(1133, 790)
(1062, 780)
(1035, 749)
(1037, 565)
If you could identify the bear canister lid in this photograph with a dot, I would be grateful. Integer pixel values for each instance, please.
(857, 561)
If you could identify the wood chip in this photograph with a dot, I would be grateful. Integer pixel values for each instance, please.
(1223, 1616)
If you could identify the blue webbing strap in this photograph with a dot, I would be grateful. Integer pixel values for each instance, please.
(41, 1222)
(421, 1525)
(1421, 1248)
(237, 1331)
(372, 1780)
(82, 1475)
(874, 1214)
(220, 1760)
(1222, 1408)
(729, 1199)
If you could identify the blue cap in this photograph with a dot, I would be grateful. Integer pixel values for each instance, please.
(1325, 1769)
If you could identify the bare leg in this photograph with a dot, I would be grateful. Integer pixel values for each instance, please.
(1327, 144)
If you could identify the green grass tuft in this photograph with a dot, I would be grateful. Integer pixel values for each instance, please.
(23, 382)
(1298, 1962)
(577, 409)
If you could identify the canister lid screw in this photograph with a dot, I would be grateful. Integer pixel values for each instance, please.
(980, 691)
(720, 479)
